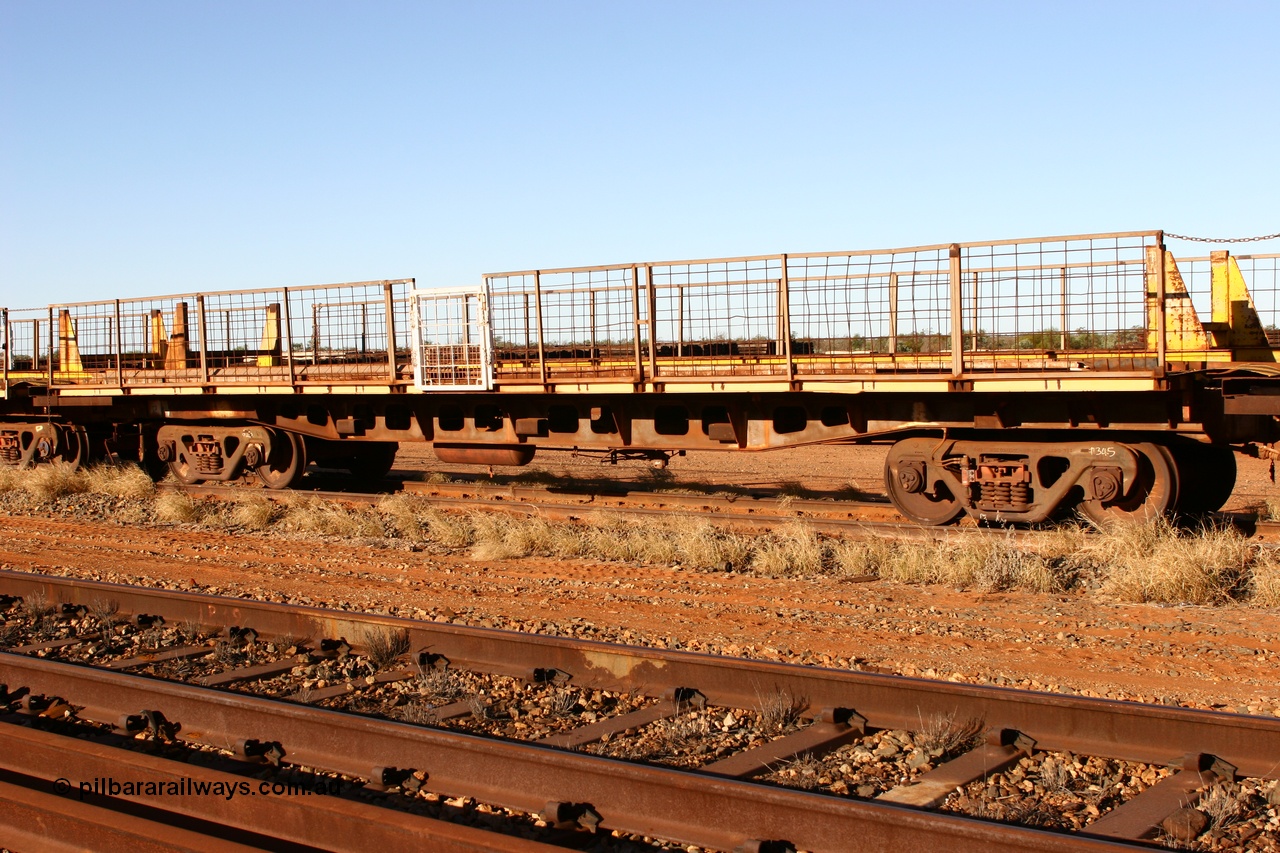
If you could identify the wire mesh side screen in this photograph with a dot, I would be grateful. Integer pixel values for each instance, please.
(1029, 305)
(1261, 274)
(28, 340)
(278, 336)
(4, 348)
(719, 317)
(567, 323)
(344, 332)
(127, 342)
(874, 311)
(453, 344)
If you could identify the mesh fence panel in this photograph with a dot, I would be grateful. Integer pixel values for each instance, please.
(845, 309)
(453, 344)
(588, 322)
(305, 335)
(1057, 297)
(721, 317)
(28, 339)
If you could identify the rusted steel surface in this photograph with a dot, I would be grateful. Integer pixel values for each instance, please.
(660, 802)
(931, 789)
(484, 454)
(37, 820)
(314, 819)
(1141, 816)
(1121, 730)
(817, 739)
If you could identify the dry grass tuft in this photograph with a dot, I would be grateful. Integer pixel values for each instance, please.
(385, 645)
(1222, 805)
(804, 771)
(252, 512)
(944, 735)
(10, 478)
(440, 685)
(404, 516)
(313, 515)
(37, 608)
(793, 549)
(705, 547)
(119, 481)
(860, 558)
(177, 508)
(53, 480)
(779, 710)
(676, 736)
(448, 529)
(1266, 578)
(1055, 776)
(1269, 510)
(1159, 563)
(104, 611)
(417, 711)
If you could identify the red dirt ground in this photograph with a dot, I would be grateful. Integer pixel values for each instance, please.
(1207, 657)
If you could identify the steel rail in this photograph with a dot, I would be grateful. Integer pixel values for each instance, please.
(564, 511)
(320, 821)
(1122, 730)
(645, 800)
(32, 819)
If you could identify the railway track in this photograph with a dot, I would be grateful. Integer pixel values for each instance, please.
(748, 511)
(527, 742)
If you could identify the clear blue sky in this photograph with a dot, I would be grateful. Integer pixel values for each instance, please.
(155, 147)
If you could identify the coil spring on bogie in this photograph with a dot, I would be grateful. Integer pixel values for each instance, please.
(10, 452)
(208, 457)
(1006, 494)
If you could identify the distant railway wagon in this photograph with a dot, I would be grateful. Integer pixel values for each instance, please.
(1014, 379)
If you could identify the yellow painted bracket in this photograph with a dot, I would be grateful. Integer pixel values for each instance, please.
(68, 345)
(1235, 318)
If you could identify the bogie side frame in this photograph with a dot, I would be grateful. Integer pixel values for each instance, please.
(1015, 377)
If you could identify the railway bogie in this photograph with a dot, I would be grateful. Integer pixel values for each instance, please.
(934, 480)
(1016, 380)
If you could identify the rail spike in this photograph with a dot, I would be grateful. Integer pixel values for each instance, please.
(267, 751)
(756, 845)
(582, 814)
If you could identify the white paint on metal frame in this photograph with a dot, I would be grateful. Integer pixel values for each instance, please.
(452, 339)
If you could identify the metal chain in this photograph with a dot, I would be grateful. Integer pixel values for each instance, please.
(1222, 240)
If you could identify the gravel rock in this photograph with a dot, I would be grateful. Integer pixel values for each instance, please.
(1185, 824)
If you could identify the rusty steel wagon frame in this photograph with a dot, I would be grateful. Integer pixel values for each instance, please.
(256, 338)
(1012, 375)
(961, 312)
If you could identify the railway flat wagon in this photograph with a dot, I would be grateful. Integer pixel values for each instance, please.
(1013, 379)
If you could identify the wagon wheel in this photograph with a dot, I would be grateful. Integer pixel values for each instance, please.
(1154, 493)
(911, 495)
(73, 446)
(371, 462)
(1206, 476)
(285, 463)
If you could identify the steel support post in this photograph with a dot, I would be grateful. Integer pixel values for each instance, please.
(286, 334)
(957, 313)
(201, 332)
(784, 305)
(119, 349)
(389, 306)
(1161, 342)
(537, 307)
